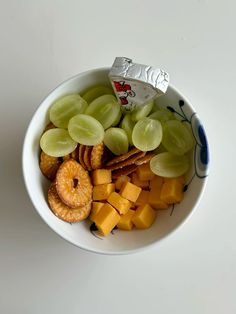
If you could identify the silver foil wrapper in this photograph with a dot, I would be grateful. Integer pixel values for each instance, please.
(136, 84)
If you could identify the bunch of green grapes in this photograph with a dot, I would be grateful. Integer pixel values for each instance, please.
(96, 117)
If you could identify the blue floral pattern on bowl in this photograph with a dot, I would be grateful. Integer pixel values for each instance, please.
(201, 151)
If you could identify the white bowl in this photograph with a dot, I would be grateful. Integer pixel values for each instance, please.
(118, 242)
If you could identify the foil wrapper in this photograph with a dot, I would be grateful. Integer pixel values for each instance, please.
(136, 84)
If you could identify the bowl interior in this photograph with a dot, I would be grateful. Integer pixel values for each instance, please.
(118, 242)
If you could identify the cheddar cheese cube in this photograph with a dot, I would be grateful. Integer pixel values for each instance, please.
(144, 172)
(156, 183)
(101, 176)
(101, 192)
(144, 217)
(96, 206)
(120, 203)
(135, 180)
(130, 191)
(172, 190)
(181, 179)
(154, 199)
(143, 198)
(106, 219)
(119, 181)
(125, 222)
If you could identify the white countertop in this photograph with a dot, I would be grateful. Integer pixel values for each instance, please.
(43, 43)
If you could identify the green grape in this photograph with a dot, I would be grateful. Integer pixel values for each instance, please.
(96, 91)
(160, 149)
(85, 130)
(66, 107)
(116, 122)
(147, 134)
(155, 107)
(127, 124)
(162, 115)
(57, 142)
(177, 138)
(105, 109)
(169, 165)
(142, 111)
(116, 140)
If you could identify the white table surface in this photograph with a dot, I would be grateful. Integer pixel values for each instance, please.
(43, 43)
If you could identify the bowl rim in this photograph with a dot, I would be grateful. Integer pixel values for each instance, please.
(65, 237)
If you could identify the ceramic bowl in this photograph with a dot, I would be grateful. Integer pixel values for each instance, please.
(118, 242)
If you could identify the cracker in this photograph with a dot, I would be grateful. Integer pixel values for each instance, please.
(73, 184)
(129, 161)
(66, 157)
(144, 159)
(123, 171)
(97, 155)
(75, 153)
(123, 157)
(87, 157)
(64, 212)
(49, 165)
(81, 156)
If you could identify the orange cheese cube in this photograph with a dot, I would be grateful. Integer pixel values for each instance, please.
(172, 190)
(143, 198)
(106, 219)
(135, 180)
(144, 172)
(181, 179)
(130, 191)
(119, 182)
(101, 176)
(96, 206)
(101, 192)
(120, 203)
(154, 199)
(156, 183)
(144, 217)
(125, 222)
(154, 195)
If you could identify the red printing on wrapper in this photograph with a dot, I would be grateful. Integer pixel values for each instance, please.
(123, 91)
